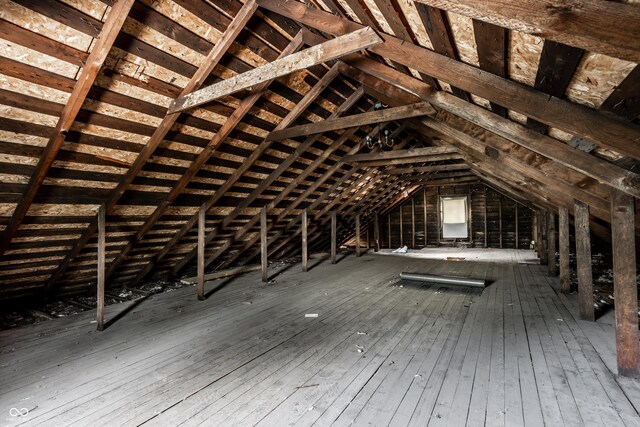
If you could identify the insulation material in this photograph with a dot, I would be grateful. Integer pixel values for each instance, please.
(464, 38)
(596, 77)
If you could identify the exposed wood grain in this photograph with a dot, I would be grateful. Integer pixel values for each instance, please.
(343, 45)
(202, 218)
(94, 62)
(305, 255)
(100, 288)
(356, 120)
(263, 244)
(551, 243)
(492, 43)
(583, 261)
(624, 284)
(334, 238)
(584, 25)
(564, 249)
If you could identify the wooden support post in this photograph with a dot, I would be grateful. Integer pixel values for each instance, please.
(358, 235)
(438, 216)
(486, 219)
(202, 216)
(534, 230)
(389, 228)
(334, 238)
(376, 233)
(102, 214)
(625, 289)
(424, 213)
(551, 244)
(401, 230)
(542, 226)
(305, 255)
(500, 220)
(413, 223)
(583, 261)
(517, 231)
(368, 245)
(563, 245)
(470, 217)
(263, 243)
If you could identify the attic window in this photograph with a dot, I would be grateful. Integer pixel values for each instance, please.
(454, 217)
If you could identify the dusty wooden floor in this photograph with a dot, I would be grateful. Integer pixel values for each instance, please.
(380, 352)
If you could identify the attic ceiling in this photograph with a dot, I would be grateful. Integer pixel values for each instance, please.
(85, 94)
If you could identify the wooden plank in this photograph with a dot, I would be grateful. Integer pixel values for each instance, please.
(358, 235)
(492, 44)
(334, 239)
(161, 131)
(583, 261)
(263, 244)
(558, 63)
(564, 249)
(624, 284)
(101, 261)
(376, 233)
(305, 256)
(427, 169)
(590, 22)
(399, 154)
(413, 223)
(202, 219)
(578, 120)
(410, 160)
(327, 51)
(87, 76)
(551, 243)
(356, 120)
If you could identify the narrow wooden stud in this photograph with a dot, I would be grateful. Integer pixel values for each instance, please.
(376, 233)
(551, 244)
(202, 215)
(334, 243)
(305, 255)
(101, 267)
(263, 243)
(358, 235)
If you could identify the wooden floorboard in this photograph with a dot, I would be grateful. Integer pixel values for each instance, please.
(381, 352)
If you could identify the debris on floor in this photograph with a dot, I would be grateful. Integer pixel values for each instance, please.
(402, 250)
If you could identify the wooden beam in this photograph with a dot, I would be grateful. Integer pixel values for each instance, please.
(583, 261)
(578, 120)
(161, 131)
(305, 256)
(551, 243)
(398, 154)
(358, 235)
(225, 130)
(410, 160)
(492, 45)
(100, 288)
(413, 223)
(427, 169)
(343, 45)
(376, 233)
(586, 24)
(202, 218)
(564, 249)
(598, 169)
(90, 70)
(334, 237)
(624, 284)
(424, 215)
(356, 120)
(263, 244)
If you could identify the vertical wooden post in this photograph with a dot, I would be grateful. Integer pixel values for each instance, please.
(517, 231)
(305, 255)
(334, 226)
(102, 241)
(201, 233)
(551, 244)
(625, 289)
(486, 219)
(500, 220)
(376, 233)
(542, 224)
(413, 223)
(401, 231)
(368, 244)
(424, 213)
(469, 216)
(563, 246)
(583, 261)
(358, 235)
(389, 228)
(534, 231)
(263, 243)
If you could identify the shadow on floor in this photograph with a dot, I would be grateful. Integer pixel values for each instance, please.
(126, 311)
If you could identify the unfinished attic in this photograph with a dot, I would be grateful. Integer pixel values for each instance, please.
(322, 212)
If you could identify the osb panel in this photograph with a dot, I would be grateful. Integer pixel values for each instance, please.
(481, 101)
(35, 90)
(136, 67)
(14, 179)
(517, 117)
(63, 182)
(132, 91)
(139, 210)
(349, 11)
(15, 159)
(90, 168)
(121, 113)
(40, 24)
(26, 260)
(560, 134)
(524, 57)
(159, 175)
(21, 138)
(93, 8)
(462, 29)
(110, 133)
(417, 28)
(377, 15)
(27, 116)
(596, 77)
